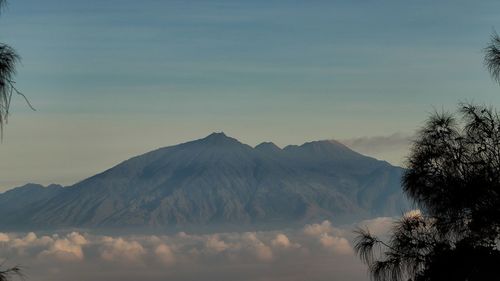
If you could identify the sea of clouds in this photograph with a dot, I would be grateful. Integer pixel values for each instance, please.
(317, 251)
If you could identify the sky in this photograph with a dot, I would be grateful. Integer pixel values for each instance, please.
(117, 78)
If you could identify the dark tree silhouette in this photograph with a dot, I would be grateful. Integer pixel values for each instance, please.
(5, 275)
(8, 61)
(492, 57)
(453, 176)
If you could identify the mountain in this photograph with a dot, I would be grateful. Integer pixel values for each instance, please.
(21, 198)
(217, 180)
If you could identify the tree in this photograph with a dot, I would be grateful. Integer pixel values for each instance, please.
(5, 275)
(492, 57)
(8, 61)
(453, 176)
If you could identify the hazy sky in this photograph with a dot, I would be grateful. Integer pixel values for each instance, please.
(112, 79)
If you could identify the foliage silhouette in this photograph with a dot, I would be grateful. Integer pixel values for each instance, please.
(8, 61)
(453, 176)
(492, 57)
(6, 274)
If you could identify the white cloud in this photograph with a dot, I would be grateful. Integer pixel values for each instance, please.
(339, 245)
(77, 238)
(317, 229)
(214, 244)
(22, 245)
(392, 148)
(221, 250)
(281, 241)
(4, 237)
(121, 250)
(260, 250)
(25, 241)
(375, 144)
(378, 226)
(64, 250)
(328, 237)
(164, 254)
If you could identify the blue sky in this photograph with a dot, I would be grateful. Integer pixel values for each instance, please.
(112, 79)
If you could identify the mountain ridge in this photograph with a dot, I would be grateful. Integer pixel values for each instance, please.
(219, 180)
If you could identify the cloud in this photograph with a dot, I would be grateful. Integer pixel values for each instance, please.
(329, 237)
(77, 238)
(164, 254)
(64, 250)
(318, 229)
(392, 148)
(281, 241)
(23, 245)
(248, 255)
(376, 144)
(261, 251)
(4, 237)
(378, 226)
(181, 248)
(339, 245)
(121, 250)
(214, 244)
(25, 241)
(68, 248)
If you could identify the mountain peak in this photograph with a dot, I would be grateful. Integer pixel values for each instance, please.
(268, 147)
(326, 144)
(217, 135)
(218, 138)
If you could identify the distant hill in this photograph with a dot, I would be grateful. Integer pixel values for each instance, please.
(217, 180)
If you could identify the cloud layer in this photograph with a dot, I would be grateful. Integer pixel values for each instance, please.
(269, 255)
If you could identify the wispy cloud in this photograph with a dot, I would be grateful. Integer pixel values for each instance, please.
(392, 148)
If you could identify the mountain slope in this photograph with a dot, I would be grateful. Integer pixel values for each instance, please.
(218, 180)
